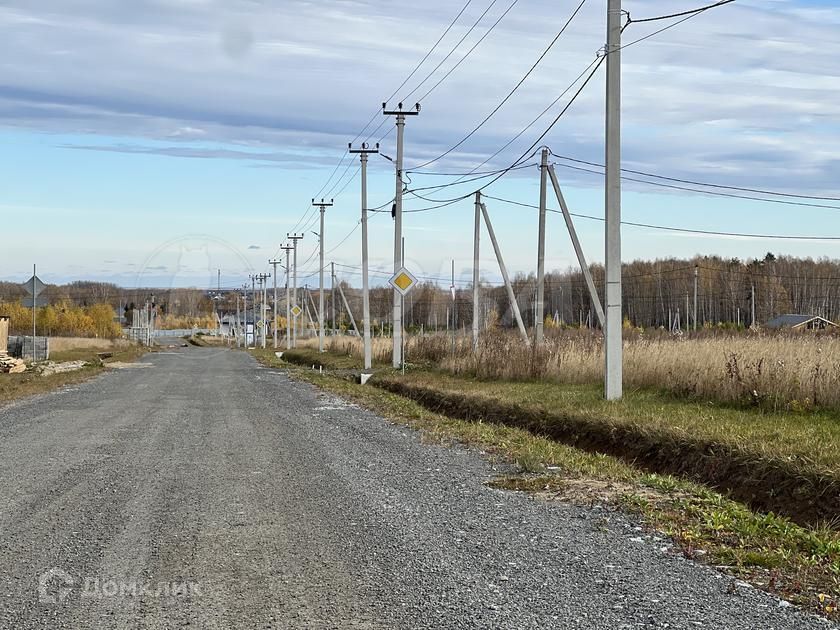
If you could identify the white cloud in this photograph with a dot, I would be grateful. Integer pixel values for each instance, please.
(746, 93)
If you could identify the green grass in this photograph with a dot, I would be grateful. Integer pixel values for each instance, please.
(797, 562)
(810, 438)
(788, 463)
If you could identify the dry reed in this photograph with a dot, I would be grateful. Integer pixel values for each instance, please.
(796, 372)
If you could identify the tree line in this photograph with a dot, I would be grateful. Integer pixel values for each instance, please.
(657, 293)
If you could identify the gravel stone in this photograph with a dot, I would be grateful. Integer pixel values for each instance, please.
(233, 497)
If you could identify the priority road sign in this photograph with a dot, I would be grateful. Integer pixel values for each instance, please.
(296, 310)
(403, 281)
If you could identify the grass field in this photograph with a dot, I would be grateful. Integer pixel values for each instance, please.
(795, 372)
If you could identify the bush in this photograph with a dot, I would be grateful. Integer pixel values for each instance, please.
(64, 319)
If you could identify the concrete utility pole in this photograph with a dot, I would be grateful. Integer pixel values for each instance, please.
(476, 255)
(218, 297)
(34, 304)
(508, 286)
(454, 307)
(613, 376)
(322, 205)
(398, 198)
(294, 238)
(288, 249)
(584, 266)
(540, 301)
(236, 327)
(254, 309)
(363, 157)
(332, 297)
(259, 317)
(349, 312)
(696, 273)
(245, 312)
(264, 328)
(752, 306)
(274, 263)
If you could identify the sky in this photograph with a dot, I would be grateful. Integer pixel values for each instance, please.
(156, 142)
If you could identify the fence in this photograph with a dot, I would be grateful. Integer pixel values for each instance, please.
(22, 347)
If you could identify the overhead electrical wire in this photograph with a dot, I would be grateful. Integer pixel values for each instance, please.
(699, 183)
(469, 52)
(691, 12)
(417, 67)
(708, 192)
(413, 72)
(451, 52)
(477, 177)
(689, 15)
(453, 68)
(510, 93)
(592, 71)
(670, 228)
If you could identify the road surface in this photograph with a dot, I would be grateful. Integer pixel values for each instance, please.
(208, 492)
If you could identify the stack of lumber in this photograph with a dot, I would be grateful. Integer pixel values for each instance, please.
(10, 365)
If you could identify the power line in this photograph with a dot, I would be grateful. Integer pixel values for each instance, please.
(592, 71)
(669, 228)
(413, 72)
(476, 178)
(469, 52)
(691, 12)
(431, 50)
(535, 120)
(699, 183)
(416, 68)
(451, 52)
(510, 93)
(707, 192)
(691, 15)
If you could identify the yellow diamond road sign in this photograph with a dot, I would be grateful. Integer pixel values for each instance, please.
(296, 310)
(403, 281)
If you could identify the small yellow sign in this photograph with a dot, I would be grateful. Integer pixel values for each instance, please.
(403, 281)
(296, 310)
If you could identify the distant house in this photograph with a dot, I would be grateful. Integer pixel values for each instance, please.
(801, 322)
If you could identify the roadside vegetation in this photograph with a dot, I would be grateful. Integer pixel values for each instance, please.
(747, 490)
(64, 319)
(775, 372)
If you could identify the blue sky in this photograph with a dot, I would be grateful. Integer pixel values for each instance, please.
(157, 141)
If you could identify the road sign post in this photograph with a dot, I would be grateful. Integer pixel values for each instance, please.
(34, 287)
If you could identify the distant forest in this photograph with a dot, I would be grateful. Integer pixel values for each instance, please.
(656, 294)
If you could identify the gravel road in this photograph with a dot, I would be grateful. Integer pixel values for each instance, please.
(209, 492)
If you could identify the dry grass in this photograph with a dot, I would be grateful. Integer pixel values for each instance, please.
(63, 344)
(797, 372)
(775, 372)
